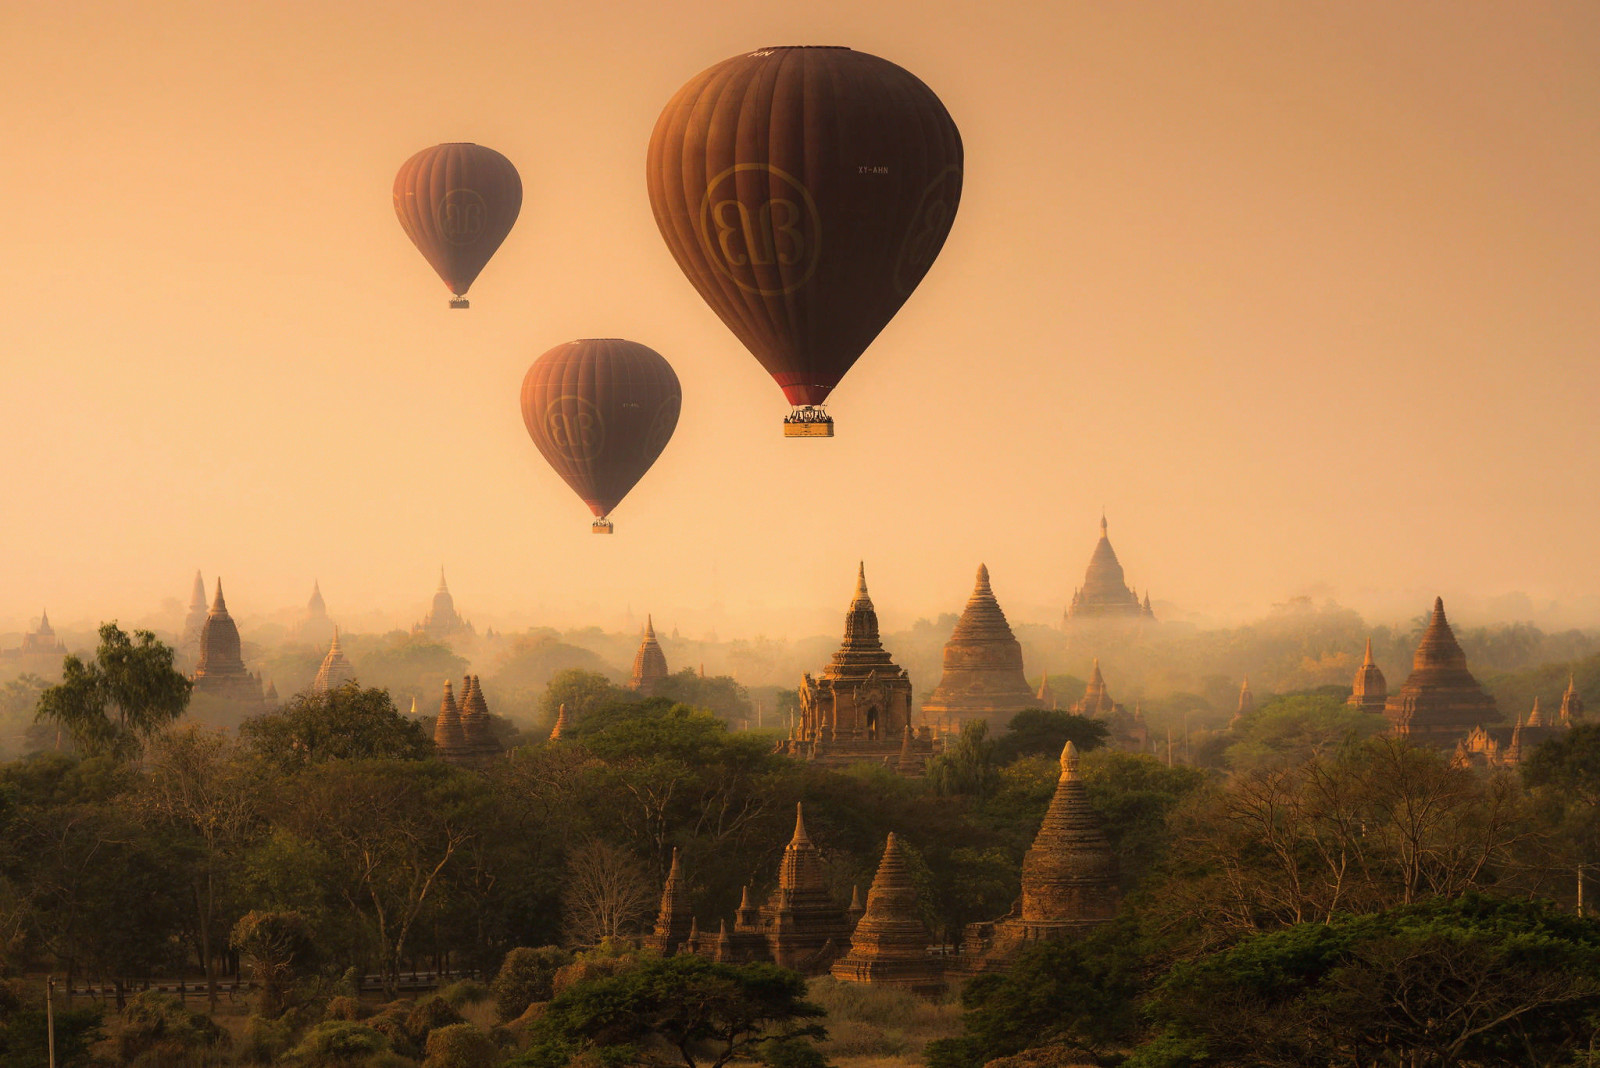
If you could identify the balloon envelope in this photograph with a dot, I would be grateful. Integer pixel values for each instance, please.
(457, 202)
(805, 192)
(601, 410)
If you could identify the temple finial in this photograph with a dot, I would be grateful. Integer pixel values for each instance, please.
(1069, 761)
(799, 824)
(217, 603)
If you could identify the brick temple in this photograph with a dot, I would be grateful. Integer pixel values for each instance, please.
(983, 676)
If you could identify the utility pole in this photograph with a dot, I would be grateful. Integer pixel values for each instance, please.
(50, 1016)
(1580, 889)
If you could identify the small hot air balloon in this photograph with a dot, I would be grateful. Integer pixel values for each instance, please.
(457, 202)
(805, 192)
(601, 410)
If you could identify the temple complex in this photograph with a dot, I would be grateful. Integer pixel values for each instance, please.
(889, 944)
(442, 620)
(335, 670)
(983, 676)
(462, 733)
(1105, 594)
(1370, 692)
(802, 926)
(314, 625)
(858, 709)
(1440, 700)
(196, 617)
(649, 663)
(1069, 881)
(221, 672)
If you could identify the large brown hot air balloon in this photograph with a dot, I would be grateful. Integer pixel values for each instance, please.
(601, 410)
(457, 202)
(805, 192)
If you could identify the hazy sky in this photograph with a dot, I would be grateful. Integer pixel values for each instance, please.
(1305, 294)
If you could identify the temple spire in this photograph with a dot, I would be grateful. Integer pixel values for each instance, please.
(1069, 762)
(561, 723)
(218, 605)
(861, 597)
(800, 836)
(442, 587)
(1367, 661)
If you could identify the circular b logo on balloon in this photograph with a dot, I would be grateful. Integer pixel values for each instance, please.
(930, 225)
(462, 216)
(575, 427)
(760, 228)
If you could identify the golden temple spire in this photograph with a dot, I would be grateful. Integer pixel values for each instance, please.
(800, 835)
(218, 605)
(1368, 661)
(861, 586)
(1069, 762)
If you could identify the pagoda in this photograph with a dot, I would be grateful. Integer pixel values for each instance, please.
(1440, 700)
(1069, 880)
(675, 924)
(1105, 594)
(983, 676)
(889, 946)
(649, 663)
(1571, 704)
(860, 706)
(1046, 697)
(449, 739)
(336, 669)
(482, 747)
(442, 620)
(42, 640)
(314, 625)
(221, 671)
(804, 929)
(1128, 732)
(1370, 692)
(196, 617)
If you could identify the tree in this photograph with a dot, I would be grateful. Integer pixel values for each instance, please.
(348, 723)
(1569, 764)
(710, 1013)
(1041, 731)
(278, 946)
(721, 695)
(460, 1046)
(19, 699)
(24, 1038)
(526, 976)
(1477, 980)
(583, 692)
(1299, 727)
(607, 893)
(114, 703)
(196, 785)
(968, 767)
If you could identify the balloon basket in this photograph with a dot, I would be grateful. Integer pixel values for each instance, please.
(601, 526)
(808, 422)
(460, 302)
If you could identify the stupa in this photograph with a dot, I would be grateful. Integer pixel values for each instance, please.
(482, 745)
(1370, 692)
(442, 620)
(449, 739)
(314, 625)
(1105, 594)
(1440, 700)
(889, 946)
(1046, 697)
(982, 667)
(675, 924)
(562, 725)
(859, 707)
(336, 669)
(196, 617)
(1096, 700)
(649, 663)
(1571, 704)
(221, 672)
(1069, 880)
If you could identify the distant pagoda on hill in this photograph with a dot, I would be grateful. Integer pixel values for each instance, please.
(649, 663)
(983, 676)
(1370, 691)
(221, 672)
(314, 625)
(1105, 594)
(336, 669)
(196, 616)
(442, 620)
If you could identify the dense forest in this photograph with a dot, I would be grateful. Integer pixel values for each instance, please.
(1305, 891)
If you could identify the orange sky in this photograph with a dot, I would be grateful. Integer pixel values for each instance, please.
(1303, 293)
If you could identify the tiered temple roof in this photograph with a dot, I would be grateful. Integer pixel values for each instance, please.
(983, 676)
(448, 737)
(1370, 692)
(336, 669)
(482, 746)
(1069, 880)
(649, 663)
(1096, 700)
(42, 640)
(1440, 701)
(221, 671)
(859, 707)
(1105, 594)
(805, 930)
(1129, 732)
(889, 946)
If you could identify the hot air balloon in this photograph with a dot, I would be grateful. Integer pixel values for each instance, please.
(457, 202)
(601, 410)
(805, 192)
